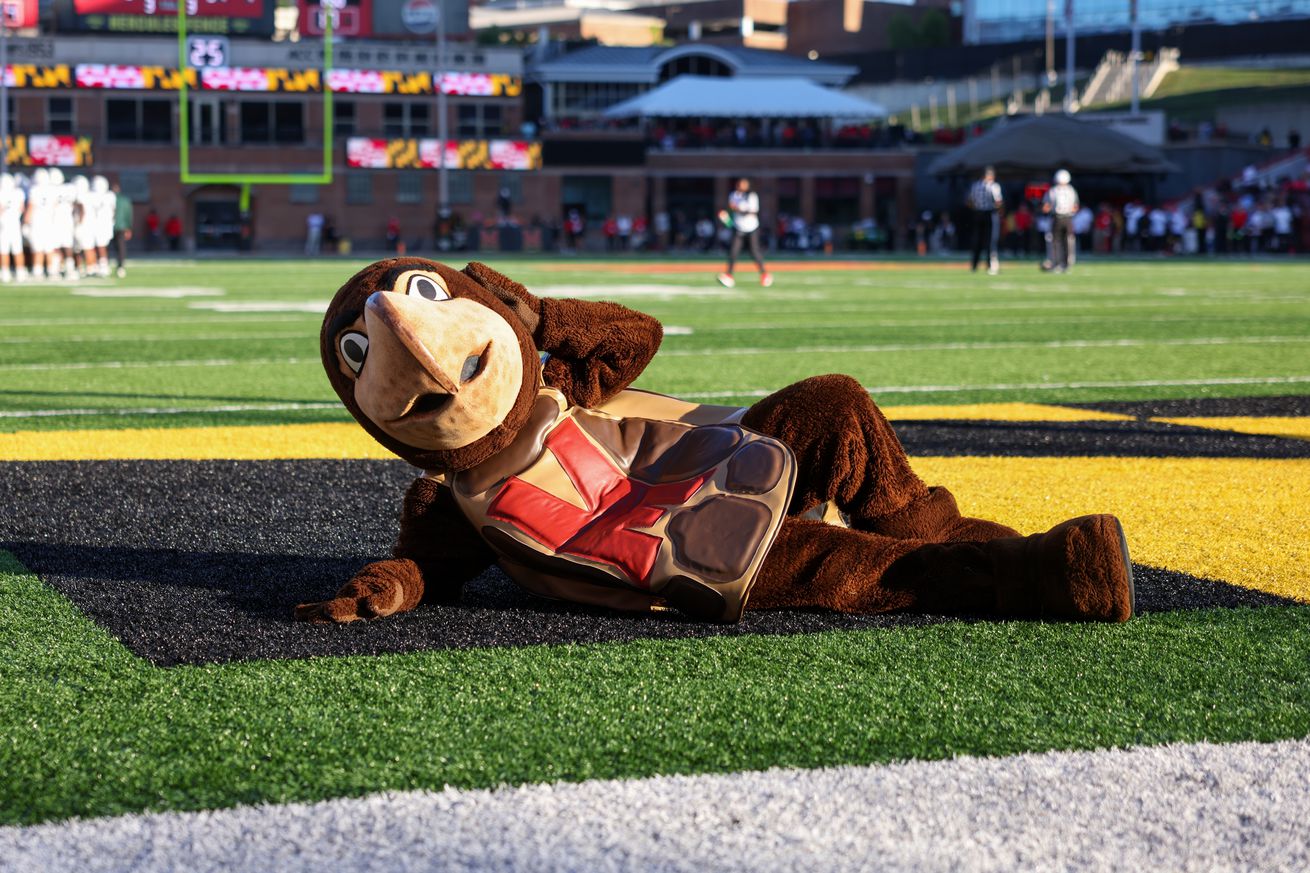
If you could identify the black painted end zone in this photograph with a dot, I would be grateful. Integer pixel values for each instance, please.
(202, 562)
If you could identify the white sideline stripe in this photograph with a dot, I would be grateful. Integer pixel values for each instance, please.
(688, 395)
(317, 307)
(982, 346)
(633, 290)
(159, 293)
(875, 306)
(235, 318)
(1182, 807)
(1025, 386)
(683, 353)
(168, 410)
(155, 338)
(146, 365)
(97, 322)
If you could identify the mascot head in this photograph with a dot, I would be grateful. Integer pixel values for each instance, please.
(437, 364)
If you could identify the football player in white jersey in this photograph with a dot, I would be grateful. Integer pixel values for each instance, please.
(106, 203)
(38, 220)
(12, 205)
(64, 224)
(84, 237)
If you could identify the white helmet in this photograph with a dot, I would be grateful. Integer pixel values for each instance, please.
(6, 182)
(41, 177)
(56, 176)
(100, 184)
(1062, 177)
(81, 184)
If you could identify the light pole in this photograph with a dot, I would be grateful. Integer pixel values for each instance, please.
(443, 174)
(1135, 52)
(1068, 57)
(4, 88)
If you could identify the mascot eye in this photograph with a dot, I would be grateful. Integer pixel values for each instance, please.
(354, 348)
(427, 288)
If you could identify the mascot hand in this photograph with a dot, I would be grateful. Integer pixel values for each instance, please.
(381, 588)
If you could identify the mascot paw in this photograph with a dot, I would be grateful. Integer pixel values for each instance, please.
(379, 589)
(339, 610)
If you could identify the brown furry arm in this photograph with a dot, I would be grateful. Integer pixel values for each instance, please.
(596, 348)
(436, 553)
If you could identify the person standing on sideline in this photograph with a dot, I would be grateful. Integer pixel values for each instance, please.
(173, 230)
(1062, 205)
(743, 217)
(122, 227)
(313, 233)
(985, 202)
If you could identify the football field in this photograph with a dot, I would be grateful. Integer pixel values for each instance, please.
(176, 474)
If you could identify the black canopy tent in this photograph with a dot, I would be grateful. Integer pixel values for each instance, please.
(1039, 144)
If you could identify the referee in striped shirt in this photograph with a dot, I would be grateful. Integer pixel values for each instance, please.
(1062, 204)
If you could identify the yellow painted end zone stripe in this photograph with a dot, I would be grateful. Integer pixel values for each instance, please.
(253, 443)
(348, 440)
(1240, 520)
(1000, 412)
(1288, 426)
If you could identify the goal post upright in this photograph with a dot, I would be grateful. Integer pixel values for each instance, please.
(245, 180)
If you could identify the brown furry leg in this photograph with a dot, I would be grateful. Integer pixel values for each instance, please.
(935, 518)
(1079, 569)
(845, 449)
(847, 452)
(818, 565)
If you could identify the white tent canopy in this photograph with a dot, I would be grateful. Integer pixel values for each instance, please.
(732, 97)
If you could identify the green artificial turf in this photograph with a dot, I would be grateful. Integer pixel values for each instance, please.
(88, 729)
(931, 333)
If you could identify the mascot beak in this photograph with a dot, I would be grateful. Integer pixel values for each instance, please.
(440, 374)
(390, 312)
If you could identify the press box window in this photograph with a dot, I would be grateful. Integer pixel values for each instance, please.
(268, 122)
(304, 194)
(461, 186)
(409, 186)
(135, 185)
(138, 120)
(404, 120)
(478, 120)
(59, 115)
(343, 117)
(359, 189)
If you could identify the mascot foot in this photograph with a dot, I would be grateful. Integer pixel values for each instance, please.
(1077, 570)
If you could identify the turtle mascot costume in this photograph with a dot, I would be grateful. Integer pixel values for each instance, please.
(538, 457)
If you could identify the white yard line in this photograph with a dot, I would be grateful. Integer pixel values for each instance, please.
(168, 410)
(1184, 807)
(145, 365)
(983, 346)
(154, 338)
(1020, 386)
(876, 307)
(231, 318)
(687, 395)
(681, 353)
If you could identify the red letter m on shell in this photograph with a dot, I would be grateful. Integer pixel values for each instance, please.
(616, 504)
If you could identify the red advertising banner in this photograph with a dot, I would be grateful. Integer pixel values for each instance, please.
(19, 13)
(47, 150)
(200, 8)
(259, 79)
(425, 154)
